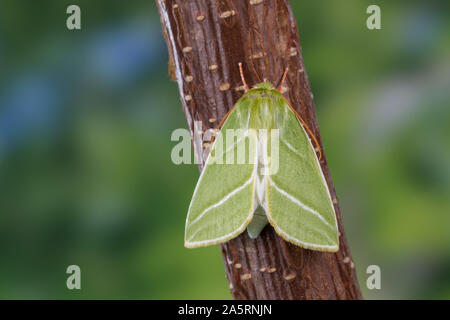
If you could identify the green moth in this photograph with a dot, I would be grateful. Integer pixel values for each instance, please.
(267, 172)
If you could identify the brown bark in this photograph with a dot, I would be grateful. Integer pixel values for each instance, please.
(206, 40)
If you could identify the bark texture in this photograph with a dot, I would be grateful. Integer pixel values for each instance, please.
(206, 40)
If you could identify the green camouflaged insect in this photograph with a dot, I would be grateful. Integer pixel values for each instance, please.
(232, 196)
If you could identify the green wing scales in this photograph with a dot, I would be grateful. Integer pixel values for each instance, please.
(299, 204)
(294, 198)
(223, 201)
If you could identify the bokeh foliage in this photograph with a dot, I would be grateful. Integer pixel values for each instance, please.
(85, 170)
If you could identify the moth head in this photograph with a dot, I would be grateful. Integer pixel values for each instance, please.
(265, 85)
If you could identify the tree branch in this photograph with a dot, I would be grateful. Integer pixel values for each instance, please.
(206, 40)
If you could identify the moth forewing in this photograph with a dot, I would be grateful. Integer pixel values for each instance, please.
(271, 157)
(217, 151)
(236, 136)
(253, 147)
(223, 202)
(299, 205)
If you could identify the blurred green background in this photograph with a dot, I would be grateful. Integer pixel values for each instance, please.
(85, 171)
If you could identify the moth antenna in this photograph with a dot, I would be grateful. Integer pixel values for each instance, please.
(242, 77)
(282, 79)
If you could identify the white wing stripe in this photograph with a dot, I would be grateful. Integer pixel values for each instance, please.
(292, 148)
(217, 156)
(232, 193)
(298, 202)
(216, 240)
(223, 200)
